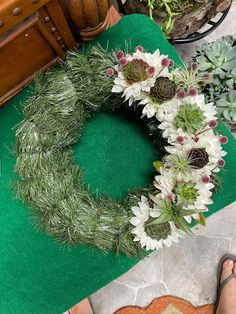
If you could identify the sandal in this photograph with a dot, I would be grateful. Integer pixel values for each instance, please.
(222, 284)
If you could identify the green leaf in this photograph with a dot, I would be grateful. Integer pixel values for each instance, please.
(186, 212)
(182, 224)
(157, 165)
(202, 219)
(160, 220)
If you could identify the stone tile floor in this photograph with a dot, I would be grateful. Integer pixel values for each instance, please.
(186, 270)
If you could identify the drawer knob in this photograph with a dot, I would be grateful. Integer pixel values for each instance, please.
(35, 1)
(47, 19)
(16, 11)
(1, 23)
(53, 29)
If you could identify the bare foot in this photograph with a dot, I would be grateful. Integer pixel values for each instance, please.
(83, 307)
(227, 304)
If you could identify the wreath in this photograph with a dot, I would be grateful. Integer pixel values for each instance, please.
(169, 101)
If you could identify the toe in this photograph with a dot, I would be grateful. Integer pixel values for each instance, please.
(234, 268)
(228, 267)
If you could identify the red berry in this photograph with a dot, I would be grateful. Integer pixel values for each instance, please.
(170, 198)
(194, 66)
(224, 139)
(123, 61)
(181, 94)
(139, 48)
(205, 179)
(220, 163)
(171, 63)
(180, 139)
(196, 139)
(192, 91)
(165, 62)
(206, 76)
(213, 124)
(120, 54)
(110, 72)
(151, 70)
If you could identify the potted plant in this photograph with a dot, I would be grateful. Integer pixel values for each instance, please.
(178, 18)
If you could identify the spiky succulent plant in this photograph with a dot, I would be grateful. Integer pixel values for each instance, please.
(219, 59)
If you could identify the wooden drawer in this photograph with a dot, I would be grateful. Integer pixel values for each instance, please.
(14, 11)
(33, 44)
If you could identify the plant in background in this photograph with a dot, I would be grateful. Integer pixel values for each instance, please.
(219, 59)
(169, 10)
(227, 106)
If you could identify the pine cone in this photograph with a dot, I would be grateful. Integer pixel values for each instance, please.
(164, 89)
(198, 158)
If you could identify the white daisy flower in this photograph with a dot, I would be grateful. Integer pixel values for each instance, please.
(143, 212)
(187, 116)
(194, 194)
(138, 74)
(207, 141)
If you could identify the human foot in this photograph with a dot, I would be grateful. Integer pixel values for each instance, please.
(83, 307)
(227, 303)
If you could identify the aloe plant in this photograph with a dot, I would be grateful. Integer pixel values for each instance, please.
(219, 59)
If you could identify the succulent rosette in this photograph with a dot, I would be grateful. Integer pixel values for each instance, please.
(196, 157)
(188, 116)
(163, 90)
(184, 186)
(193, 194)
(137, 73)
(152, 236)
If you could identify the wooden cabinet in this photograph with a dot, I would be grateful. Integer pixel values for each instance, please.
(34, 34)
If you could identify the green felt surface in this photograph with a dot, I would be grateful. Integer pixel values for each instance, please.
(39, 275)
(116, 154)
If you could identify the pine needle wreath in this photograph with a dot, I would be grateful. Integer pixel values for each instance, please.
(52, 184)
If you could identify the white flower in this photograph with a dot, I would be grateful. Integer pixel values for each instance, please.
(168, 112)
(168, 185)
(132, 91)
(207, 140)
(143, 212)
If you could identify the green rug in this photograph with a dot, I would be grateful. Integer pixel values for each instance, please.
(39, 275)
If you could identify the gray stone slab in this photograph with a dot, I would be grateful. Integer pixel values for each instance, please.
(112, 297)
(189, 269)
(187, 51)
(147, 294)
(145, 273)
(228, 27)
(221, 224)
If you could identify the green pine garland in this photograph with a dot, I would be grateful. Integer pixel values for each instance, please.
(51, 183)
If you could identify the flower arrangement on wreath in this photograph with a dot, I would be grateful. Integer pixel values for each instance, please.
(170, 99)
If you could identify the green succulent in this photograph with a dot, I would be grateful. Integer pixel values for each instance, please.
(186, 192)
(218, 57)
(164, 89)
(136, 70)
(227, 106)
(171, 212)
(230, 79)
(190, 118)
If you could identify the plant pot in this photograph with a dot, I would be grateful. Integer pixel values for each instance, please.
(187, 23)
